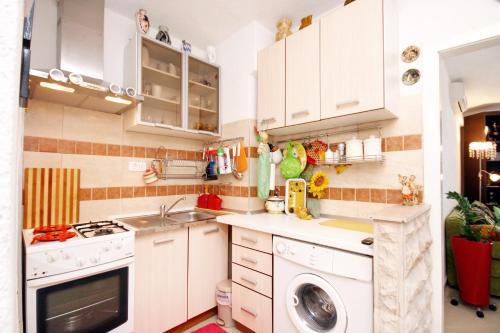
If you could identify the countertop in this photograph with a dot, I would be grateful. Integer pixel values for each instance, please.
(306, 230)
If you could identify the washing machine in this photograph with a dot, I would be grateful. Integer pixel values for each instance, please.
(321, 289)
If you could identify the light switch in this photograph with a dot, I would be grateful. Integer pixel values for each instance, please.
(139, 166)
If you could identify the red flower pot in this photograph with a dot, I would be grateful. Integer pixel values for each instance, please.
(473, 265)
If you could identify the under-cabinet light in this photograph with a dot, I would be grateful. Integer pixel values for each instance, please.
(119, 100)
(56, 86)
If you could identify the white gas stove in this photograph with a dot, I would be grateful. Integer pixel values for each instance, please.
(79, 278)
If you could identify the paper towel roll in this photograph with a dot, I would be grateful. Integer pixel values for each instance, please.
(272, 177)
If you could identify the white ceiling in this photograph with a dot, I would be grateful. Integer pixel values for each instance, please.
(207, 22)
(479, 70)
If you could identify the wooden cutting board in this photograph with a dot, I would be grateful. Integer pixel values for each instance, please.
(51, 196)
(349, 225)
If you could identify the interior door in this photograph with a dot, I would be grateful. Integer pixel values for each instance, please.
(271, 86)
(302, 76)
(208, 265)
(352, 59)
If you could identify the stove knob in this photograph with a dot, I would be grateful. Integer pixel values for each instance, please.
(281, 248)
(106, 249)
(66, 256)
(292, 251)
(80, 262)
(95, 260)
(118, 246)
(50, 259)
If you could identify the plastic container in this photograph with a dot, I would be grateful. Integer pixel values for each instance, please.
(223, 297)
(214, 202)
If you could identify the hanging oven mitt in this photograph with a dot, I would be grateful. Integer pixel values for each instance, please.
(263, 171)
(290, 166)
(242, 162)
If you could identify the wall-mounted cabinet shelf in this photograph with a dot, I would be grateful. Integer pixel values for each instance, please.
(181, 92)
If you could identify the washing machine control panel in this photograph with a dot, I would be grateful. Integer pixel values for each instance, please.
(314, 256)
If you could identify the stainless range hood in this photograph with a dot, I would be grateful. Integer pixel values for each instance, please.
(77, 79)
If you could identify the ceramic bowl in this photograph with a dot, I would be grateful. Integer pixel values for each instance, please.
(275, 205)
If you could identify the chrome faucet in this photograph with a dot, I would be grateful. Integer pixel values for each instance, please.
(164, 211)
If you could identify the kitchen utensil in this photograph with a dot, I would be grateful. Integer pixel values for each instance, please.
(157, 90)
(290, 167)
(228, 167)
(272, 176)
(275, 205)
(42, 209)
(263, 171)
(299, 152)
(236, 174)
(372, 148)
(242, 163)
(295, 195)
(150, 176)
(354, 149)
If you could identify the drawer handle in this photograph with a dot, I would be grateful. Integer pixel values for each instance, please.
(250, 312)
(250, 260)
(206, 232)
(163, 241)
(347, 102)
(268, 120)
(249, 239)
(302, 113)
(247, 280)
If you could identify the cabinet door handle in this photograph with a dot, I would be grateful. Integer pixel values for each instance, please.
(206, 232)
(250, 312)
(249, 239)
(163, 241)
(268, 120)
(250, 260)
(298, 114)
(347, 102)
(247, 280)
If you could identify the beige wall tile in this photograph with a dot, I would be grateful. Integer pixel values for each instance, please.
(99, 209)
(94, 126)
(44, 119)
(96, 171)
(41, 160)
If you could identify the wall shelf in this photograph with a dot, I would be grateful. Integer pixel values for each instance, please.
(200, 89)
(161, 77)
(161, 103)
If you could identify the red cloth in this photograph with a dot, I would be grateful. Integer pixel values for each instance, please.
(210, 328)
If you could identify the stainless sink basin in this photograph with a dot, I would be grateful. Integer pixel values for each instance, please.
(189, 216)
(155, 221)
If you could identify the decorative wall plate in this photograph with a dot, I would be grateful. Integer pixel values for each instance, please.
(410, 54)
(410, 77)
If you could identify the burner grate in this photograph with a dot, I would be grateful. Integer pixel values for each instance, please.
(99, 228)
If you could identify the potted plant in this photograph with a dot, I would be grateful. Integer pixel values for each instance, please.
(472, 253)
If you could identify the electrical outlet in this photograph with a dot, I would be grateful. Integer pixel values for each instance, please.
(138, 166)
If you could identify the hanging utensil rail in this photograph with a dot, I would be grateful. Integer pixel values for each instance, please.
(238, 138)
(332, 133)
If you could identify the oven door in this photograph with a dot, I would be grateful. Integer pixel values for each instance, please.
(96, 299)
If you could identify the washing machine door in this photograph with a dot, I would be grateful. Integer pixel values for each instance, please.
(315, 306)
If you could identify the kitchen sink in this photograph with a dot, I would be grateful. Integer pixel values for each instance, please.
(155, 221)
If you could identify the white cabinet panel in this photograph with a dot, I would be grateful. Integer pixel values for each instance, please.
(161, 281)
(302, 76)
(208, 264)
(271, 86)
(352, 59)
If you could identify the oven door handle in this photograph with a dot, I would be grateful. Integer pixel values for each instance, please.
(81, 273)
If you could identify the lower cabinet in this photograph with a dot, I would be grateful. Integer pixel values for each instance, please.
(208, 248)
(176, 275)
(161, 261)
(252, 309)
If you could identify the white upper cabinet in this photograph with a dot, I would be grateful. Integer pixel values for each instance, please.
(352, 59)
(271, 86)
(303, 76)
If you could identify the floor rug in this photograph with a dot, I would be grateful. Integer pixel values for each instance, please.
(210, 328)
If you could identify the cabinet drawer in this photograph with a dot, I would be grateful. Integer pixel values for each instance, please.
(253, 239)
(259, 282)
(255, 260)
(252, 309)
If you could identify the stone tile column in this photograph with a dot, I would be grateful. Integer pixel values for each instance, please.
(402, 270)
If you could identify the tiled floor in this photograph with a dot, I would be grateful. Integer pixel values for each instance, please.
(463, 319)
(208, 321)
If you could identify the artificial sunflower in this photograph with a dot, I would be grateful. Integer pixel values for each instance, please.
(319, 182)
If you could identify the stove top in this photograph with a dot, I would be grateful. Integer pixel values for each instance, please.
(99, 228)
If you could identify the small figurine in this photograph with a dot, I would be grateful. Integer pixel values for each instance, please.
(283, 26)
(305, 21)
(409, 190)
(186, 46)
(163, 35)
(142, 21)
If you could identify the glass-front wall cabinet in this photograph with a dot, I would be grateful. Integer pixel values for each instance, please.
(161, 84)
(203, 96)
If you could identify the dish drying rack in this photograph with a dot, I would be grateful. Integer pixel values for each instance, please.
(170, 168)
(354, 160)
